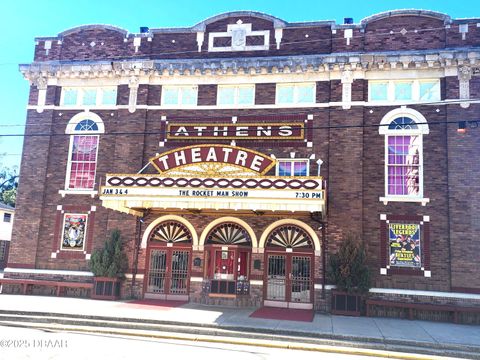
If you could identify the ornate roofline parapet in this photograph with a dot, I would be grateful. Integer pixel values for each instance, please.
(426, 59)
(405, 12)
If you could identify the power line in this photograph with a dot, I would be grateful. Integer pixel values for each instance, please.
(142, 133)
(302, 111)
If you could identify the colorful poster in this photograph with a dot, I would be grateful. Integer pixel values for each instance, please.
(404, 241)
(74, 227)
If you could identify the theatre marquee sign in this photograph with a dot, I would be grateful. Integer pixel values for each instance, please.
(212, 176)
(214, 154)
(137, 191)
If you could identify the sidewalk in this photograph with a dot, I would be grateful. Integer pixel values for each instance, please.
(376, 330)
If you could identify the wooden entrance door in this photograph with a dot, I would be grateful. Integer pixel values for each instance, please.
(168, 261)
(167, 276)
(289, 280)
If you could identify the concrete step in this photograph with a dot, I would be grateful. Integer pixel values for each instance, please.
(68, 322)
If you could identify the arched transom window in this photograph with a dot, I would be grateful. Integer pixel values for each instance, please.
(289, 237)
(229, 234)
(403, 129)
(171, 232)
(84, 129)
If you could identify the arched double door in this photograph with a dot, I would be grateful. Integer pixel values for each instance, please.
(168, 261)
(289, 263)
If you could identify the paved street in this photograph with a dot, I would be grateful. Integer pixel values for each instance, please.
(194, 322)
(20, 343)
(375, 329)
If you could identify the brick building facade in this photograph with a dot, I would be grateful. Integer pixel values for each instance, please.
(249, 147)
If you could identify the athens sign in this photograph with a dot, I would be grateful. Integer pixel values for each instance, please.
(237, 131)
(213, 153)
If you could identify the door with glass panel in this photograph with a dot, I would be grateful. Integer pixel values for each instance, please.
(289, 268)
(168, 262)
(289, 280)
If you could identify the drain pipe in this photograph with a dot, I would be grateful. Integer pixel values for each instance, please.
(137, 250)
(315, 217)
(324, 257)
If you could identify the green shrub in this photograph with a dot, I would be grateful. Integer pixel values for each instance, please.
(348, 268)
(111, 261)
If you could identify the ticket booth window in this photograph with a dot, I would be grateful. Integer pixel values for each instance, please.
(224, 264)
(227, 257)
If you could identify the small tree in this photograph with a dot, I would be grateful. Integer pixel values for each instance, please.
(111, 261)
(348, 269)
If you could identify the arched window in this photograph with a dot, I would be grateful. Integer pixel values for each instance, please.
(403, 130)
(84, 129)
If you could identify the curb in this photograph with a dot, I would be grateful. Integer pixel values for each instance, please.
(246, 332)
(219, 340)
(230, 335)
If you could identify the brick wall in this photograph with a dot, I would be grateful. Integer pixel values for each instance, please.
(380, 34)
(353, 158)
(464, 199)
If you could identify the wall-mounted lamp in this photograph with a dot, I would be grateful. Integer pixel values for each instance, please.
(319, 163)
(462, 127)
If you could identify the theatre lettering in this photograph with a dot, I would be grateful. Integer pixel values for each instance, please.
(213, 154)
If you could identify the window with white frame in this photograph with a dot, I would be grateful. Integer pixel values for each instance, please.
(236, 95)
(297, 93)
(7, 217)
(403, 130)
(89, 96)
(404, 90)
(179, 95)
(293, 167)
(84, 130)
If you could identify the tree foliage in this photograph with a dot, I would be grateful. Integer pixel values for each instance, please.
(348, 268)
(110, 261)
(8, 185)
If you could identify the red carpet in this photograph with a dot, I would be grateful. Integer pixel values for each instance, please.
(283, 314)
(154, 303)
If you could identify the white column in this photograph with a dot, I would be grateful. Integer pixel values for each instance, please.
(41, 84)
(464, 76)
(132, 99)
(347, 79)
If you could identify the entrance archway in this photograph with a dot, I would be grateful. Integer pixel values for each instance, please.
(168, 262)
(228, 249)
(289, 267)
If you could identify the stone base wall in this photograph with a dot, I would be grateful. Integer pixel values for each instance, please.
(465, 318)
(45, 289)
(199, 296)
(126, 291)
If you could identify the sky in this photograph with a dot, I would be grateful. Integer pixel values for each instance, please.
(22, 21)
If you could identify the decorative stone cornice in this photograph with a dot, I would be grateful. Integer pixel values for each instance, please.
(464, 73)
(40, 82)
(426, 59)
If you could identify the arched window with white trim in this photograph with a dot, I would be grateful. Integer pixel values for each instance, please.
(403, 130)
(84, 129)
